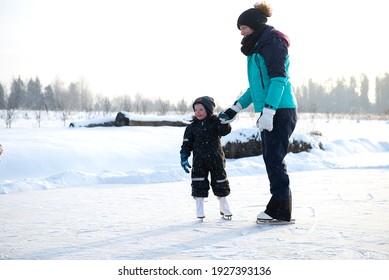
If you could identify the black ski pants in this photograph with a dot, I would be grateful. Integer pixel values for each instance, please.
(275, 145)
(202, 167)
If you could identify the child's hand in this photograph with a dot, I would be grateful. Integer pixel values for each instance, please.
(229, 115)
(184, 162)
(185, 165)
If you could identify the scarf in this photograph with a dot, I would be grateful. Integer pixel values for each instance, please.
(249, 42)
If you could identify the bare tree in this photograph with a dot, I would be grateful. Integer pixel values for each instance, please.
(182, 106)
(382, 94)
(38, 117)
(60, 95)
(10, 116)
(73, 97)
(163, 106)
(122, 103)
(127, 103)
(142, 104)
(86, 98)
(64, 117)
(107, 105)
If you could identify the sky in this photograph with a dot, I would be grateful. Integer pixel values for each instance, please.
(180, 49)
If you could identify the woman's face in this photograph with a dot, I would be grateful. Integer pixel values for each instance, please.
(245, 30)
(200, 112)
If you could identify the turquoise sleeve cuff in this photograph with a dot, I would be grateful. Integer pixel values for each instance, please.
(245, 100)
(276, 90)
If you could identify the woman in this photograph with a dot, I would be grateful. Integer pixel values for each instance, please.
(272, 95)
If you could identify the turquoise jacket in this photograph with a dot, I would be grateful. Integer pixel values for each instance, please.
(268, 74)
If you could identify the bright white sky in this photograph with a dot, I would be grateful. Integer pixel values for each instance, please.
(178, 49)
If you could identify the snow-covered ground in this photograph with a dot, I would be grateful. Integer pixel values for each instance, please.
(119, 193)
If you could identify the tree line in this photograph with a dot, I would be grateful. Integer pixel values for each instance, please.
(32, 95)
(344, 97)
(340, 96)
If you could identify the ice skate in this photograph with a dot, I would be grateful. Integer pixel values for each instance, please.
(200, 208)
(263, 218)
(224, 208)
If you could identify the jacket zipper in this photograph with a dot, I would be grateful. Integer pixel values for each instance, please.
(260, 71)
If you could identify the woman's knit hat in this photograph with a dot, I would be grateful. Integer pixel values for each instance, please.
(208, 103)
(256, 16)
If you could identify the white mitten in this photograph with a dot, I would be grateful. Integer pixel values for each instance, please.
(265, 121)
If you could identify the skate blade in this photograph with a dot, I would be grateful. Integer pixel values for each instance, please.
(201, 219)
(275, 222)
(226, 217)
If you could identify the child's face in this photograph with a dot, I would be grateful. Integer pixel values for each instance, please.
(199, 111)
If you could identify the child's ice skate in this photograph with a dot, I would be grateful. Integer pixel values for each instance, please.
(224, 208)
(200, 207)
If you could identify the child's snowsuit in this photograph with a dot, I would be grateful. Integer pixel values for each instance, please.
(203, 139)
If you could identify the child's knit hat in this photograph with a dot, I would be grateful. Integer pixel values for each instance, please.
(207, 102)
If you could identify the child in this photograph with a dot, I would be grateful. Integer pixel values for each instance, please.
(202, 137)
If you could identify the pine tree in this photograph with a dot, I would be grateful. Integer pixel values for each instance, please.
(2, 98)
(17, 99)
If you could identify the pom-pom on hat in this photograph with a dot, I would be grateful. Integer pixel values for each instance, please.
(256, 16)
(208, 103)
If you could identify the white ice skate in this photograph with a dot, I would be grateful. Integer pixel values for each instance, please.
(263, 218)
(200, 207)
(225, 211)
